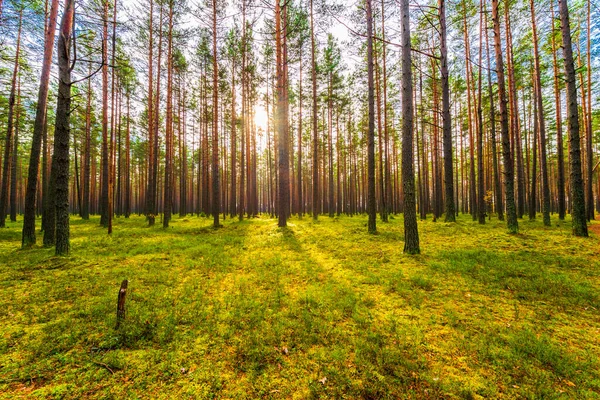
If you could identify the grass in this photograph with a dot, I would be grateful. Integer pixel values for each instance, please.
(316, 310)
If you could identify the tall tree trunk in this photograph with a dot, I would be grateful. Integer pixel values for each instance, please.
(62, 132)
(168, 193)
(104, 194)
(85, 211)
(282, 115)
(576, 180)
(446, 119)
(315, 128)
(532, 193)
(28, 237)
(216, 199)
(589, 139)
(299, 196)
(411, 232)
(541, 122)
(481, 210)
(560, 184)
(497, 182)
(372, 205)
(15, 157)
(233, 184)
(113, 122)
(472, 177)
(128, 160)
(9, 130)
(149, 206)
(511, 211)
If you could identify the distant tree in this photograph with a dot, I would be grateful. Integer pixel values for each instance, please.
(511, 212)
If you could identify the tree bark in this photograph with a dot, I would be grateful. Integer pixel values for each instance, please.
(450, 208)
(62, 132)
(28, 237)
(371, 200)
(411, 232)
(576, 180)
(511, 212)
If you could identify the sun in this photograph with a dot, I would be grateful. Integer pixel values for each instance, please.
(261, 118)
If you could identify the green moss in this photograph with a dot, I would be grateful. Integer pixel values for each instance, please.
(319, 309)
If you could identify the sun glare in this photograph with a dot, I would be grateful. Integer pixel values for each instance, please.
(261, 118)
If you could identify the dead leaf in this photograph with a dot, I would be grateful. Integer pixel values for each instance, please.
(323, 380)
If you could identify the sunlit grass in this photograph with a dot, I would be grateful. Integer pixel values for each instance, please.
(319, 310)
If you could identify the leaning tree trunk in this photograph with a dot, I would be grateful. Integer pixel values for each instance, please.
(411, 232)
(576, 179)
(509, 176)
(28, 237)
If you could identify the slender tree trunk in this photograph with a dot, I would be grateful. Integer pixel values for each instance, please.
(232, 193)
(560, 184)
(105, 154)
(497, 182)
(216, 200)
(168, 193)
(4, 194)
(541, 122)
(299, 194)
(589, 139)
(315, 128)
(481, 210)
(149, 193)
(372, 204)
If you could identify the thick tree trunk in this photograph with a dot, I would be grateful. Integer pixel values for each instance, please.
(62, 132)
(576, 180)
(411, 232)
(446, 119)
(28, 237)
(282, 115)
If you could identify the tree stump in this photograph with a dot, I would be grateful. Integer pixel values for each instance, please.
(121, 302)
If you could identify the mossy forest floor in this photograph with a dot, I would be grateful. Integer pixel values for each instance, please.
(317, 310)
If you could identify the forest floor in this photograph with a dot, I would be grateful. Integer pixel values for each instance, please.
(317, 310)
